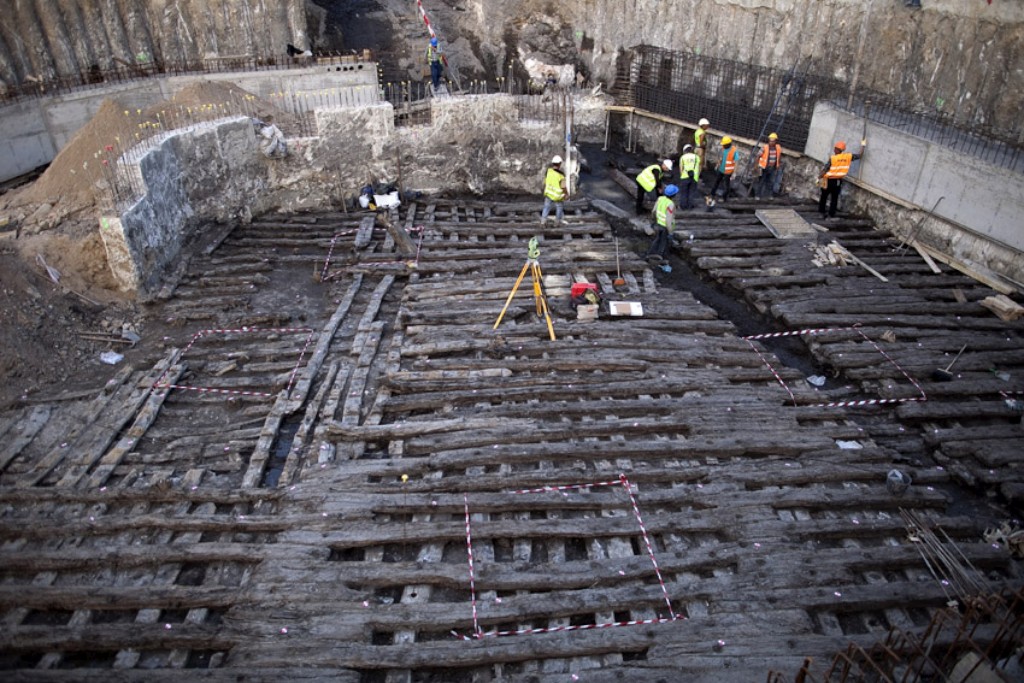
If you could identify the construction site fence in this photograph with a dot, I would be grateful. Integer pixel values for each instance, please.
(95, 78)
(740, 98)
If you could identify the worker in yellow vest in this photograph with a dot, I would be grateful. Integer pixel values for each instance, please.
(831, 178)
(650, 180)
(726, 167)
(689, 177)
(554, 191)
(770, 163)
(436, 60)
(664, 224)
(700, 140)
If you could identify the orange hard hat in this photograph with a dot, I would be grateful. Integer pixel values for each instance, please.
(841, 146)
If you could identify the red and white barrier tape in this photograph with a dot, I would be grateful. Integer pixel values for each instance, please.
(569, 487)
(647, 542)
(559, 629)
(923, 397)
(836, 404)
(771, 368)
(325, 275)
(796, 333)
(159, 383)
(472, 576)
(426, 19)
(621, 481)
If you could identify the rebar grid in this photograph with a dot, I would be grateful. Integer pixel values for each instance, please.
(738, 98)
(992, 628)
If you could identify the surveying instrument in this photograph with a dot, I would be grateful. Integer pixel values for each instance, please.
(533, 265)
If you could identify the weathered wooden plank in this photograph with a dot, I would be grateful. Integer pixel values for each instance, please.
(93, 438)
(113, 457)
(22, 434)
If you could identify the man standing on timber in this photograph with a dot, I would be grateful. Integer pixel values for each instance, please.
(554, 191)
(770, 163)
(726, 167)
(831, 178)
(437, 61)
(650, 180)
(700, 140)
(664, 224)
(689, 176)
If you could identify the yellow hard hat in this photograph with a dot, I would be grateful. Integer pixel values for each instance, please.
(773, 136)
(726, 140)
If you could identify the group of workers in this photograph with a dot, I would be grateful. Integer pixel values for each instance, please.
(669, 196)
(654, 179)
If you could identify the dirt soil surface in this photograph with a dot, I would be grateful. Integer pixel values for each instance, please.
(60, 308)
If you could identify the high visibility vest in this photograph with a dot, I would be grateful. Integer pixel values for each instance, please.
(553, 185)
(771, 155)
(662, 208)
(689, 166)
(840, 165)
(647, 179)
(433, 54)
(728, 164)
(698, 137)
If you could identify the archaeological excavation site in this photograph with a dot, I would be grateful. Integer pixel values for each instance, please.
(460, 341)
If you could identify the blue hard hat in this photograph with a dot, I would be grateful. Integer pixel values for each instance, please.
(433, 41)
(671, 191)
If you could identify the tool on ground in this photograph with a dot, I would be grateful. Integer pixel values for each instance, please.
(912, 235)
(533, 265)
(618, 270)
(943, 374)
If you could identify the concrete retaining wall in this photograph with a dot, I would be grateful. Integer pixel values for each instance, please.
(33, 131)
(975, 207)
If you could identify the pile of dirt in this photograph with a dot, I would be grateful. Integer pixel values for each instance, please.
(82, 172)
(50, 331)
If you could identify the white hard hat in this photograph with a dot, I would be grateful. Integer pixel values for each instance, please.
(556, 159)
(667, 164)
(703, 122)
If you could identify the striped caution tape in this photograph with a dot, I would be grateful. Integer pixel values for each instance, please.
(837, 404)
(797, 333)
(472, 576)
(621, 481)
(569, 487)
(562, 629)
(326, 274)
(771, 368)
(160, 384)
(647, 542)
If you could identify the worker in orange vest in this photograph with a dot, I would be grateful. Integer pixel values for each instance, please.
(831, 178)
(770, 163)
(726, 167)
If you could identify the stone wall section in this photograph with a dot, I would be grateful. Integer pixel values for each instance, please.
(215, 172)
(211, 172)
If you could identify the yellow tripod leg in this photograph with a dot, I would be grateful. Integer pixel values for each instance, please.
(511, 294)
(542, 302)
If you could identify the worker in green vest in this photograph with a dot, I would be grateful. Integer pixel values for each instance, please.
(664, 224)
(650, 180)
(554, 191)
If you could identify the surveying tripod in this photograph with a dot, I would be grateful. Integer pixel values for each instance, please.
(533, 265)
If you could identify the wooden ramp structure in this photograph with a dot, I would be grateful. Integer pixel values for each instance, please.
(328, 465)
